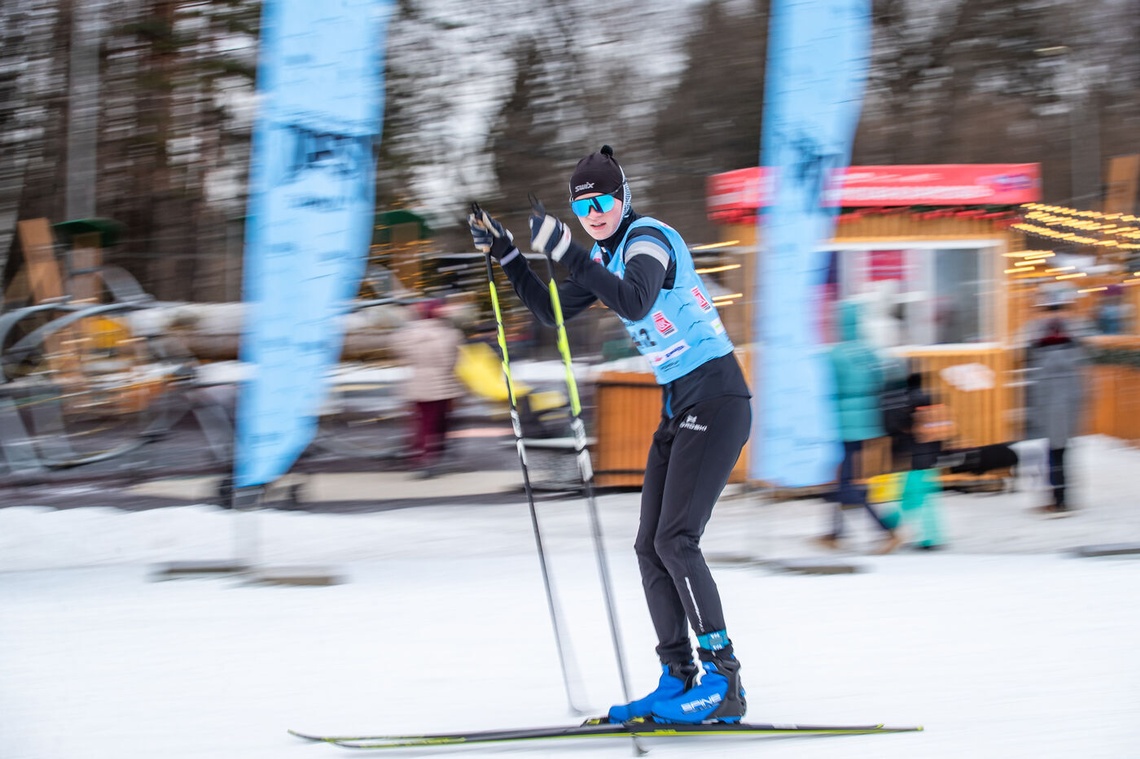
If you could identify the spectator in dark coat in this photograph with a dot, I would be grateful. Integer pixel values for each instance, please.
(1055, 358)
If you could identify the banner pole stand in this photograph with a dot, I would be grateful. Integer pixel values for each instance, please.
(247, 538)
(243, 503)
(248, 506)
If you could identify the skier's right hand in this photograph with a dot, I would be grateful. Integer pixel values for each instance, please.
(489, 235)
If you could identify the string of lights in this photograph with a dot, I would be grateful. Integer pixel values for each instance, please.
(1108, 236)
(1091, 228)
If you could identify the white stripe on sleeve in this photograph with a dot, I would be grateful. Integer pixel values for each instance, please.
(647, 246)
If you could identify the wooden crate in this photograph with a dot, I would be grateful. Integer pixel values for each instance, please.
(628, 412)
(982, 416)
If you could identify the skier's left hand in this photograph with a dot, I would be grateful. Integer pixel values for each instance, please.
(547, 234)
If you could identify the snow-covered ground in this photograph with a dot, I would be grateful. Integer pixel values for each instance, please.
(1004, 645)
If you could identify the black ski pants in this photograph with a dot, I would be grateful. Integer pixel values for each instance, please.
(689, 463)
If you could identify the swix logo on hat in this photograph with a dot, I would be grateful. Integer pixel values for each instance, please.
(583, 187)
(702, 301)
(663, 325)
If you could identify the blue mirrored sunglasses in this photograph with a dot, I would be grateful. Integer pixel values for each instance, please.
(601, 204)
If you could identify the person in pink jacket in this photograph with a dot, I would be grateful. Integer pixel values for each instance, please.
(429, 347)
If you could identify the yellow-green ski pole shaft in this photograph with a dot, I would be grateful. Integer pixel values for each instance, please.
(587, 472)
(520, 446)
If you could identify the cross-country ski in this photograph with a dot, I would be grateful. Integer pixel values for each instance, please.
(597, 729)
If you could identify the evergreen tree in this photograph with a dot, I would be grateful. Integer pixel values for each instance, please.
(711, 119)
(524, 141)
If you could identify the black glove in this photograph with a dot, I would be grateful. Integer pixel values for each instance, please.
(489, 235)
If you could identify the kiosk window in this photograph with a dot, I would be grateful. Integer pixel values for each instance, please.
(919, 295)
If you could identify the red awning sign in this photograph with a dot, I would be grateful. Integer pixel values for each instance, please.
(737, 195)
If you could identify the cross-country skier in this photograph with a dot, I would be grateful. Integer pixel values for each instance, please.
(642, 270)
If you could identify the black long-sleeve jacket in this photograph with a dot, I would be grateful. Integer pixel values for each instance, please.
(648, 269)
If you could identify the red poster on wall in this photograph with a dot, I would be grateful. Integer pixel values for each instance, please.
(884, 265)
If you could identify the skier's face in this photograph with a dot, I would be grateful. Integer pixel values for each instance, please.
(601, 225)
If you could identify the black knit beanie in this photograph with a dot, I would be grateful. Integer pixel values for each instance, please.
(600, 173)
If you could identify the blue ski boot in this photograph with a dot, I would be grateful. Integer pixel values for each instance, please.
(718, 698)
(675, 680)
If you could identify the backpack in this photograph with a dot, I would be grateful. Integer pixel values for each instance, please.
(897, 411)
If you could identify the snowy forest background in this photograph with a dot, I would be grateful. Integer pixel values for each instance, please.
(489, 104)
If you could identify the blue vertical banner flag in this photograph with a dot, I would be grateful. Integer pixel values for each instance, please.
(320, 87)
(818, 55)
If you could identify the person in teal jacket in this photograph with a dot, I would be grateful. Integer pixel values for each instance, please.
(858, 381)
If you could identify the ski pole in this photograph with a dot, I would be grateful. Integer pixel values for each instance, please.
(584, 465)
(520, 445)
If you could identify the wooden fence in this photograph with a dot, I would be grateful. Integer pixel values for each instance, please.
(1114, 388)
